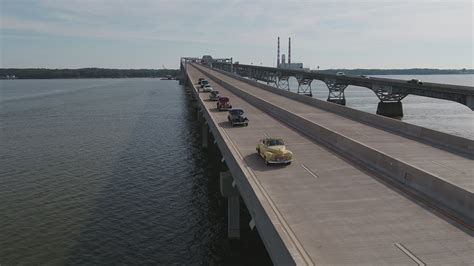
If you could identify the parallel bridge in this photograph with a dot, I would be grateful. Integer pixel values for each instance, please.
(389, 91)
(362, 189)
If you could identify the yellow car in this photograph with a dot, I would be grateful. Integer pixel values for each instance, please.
(274, 151)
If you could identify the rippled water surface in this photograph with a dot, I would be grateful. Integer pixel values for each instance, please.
(110, 171)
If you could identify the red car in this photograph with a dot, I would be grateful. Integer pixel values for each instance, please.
(223, 104)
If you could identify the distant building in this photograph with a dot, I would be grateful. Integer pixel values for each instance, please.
(283, 63)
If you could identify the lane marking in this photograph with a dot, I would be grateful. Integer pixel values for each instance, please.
(409, 254)
(448, 166)
(309, 171)
(266, 135)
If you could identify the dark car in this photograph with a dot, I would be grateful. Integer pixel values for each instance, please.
(236, 117)
(199, 81)
(415, 81)
(204, 83)
(223, 104)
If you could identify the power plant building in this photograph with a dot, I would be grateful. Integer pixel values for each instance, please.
(283, 63)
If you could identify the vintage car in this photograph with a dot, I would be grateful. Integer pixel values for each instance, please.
(204, 83)
(274, 151)
(223, 104)
(214, 95)
(207, 88)
(236, 117)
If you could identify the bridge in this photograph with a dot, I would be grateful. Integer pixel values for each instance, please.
(389, 91)
(362, 189)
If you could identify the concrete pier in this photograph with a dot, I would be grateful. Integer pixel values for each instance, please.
(199, 116)
(205, 135)
(229, 191)
(338, 101)
(390, 109)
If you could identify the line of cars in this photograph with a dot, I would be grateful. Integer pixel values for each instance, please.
(272, 150)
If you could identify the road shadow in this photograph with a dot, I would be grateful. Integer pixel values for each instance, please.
(255, 162)
(215, 110)
(226, 124)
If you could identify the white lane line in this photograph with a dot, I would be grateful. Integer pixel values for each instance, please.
(266, 135)
(409, 254)
(448, 166)
(309, 171)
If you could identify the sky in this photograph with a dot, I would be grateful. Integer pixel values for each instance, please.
(156, 33)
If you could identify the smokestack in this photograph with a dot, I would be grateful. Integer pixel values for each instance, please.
(278, 53)
(289, 50)
(283, 59)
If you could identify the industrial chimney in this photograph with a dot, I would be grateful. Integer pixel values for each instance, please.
(278, 53)
(289, 51)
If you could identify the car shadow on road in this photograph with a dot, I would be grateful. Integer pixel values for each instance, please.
(215, 110)
(256, 163)
(225, 124)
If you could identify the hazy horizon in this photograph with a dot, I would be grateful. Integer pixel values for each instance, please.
(147, 34)
(177, 68)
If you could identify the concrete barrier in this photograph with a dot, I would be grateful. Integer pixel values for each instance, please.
(451, 143)
(432, 187)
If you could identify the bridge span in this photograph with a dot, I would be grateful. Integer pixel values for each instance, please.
(389, 91)
(362, 189)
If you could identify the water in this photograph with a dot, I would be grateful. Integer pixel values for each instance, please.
(109, 171)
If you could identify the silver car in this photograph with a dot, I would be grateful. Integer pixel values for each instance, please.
(207, 88)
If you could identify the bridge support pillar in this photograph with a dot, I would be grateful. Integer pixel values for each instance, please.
(200, 118)
(182, 78)
(470, 101)
(205, 135)
(283, 83)
(336, 91)
(230, 191)
(390, 109)
(338, 101)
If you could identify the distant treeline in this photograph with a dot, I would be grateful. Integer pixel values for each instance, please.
(410, 71)
(43, 73)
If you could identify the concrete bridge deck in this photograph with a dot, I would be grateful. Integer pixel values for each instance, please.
(413, 158)
(421, 155)
(323, 209)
